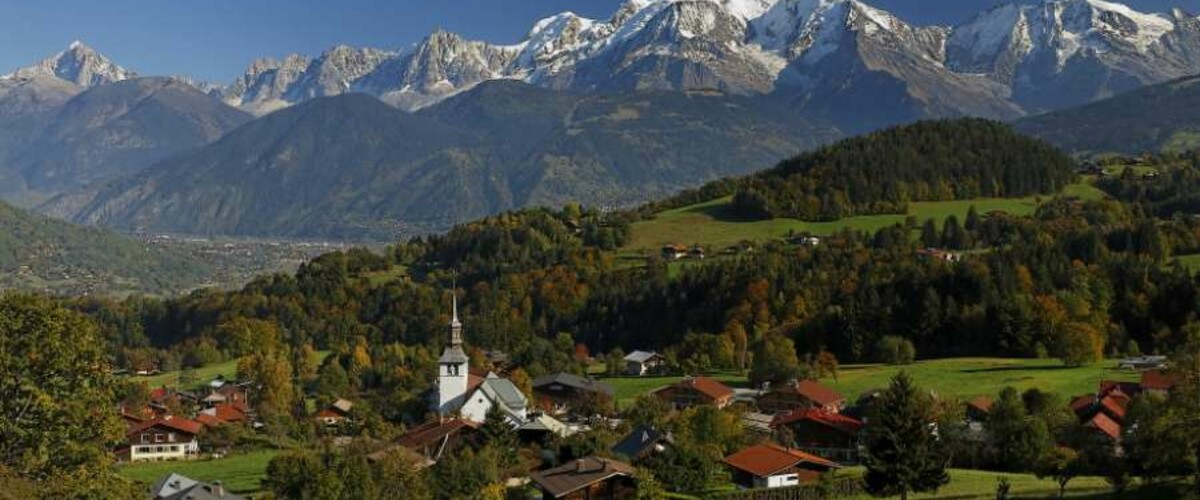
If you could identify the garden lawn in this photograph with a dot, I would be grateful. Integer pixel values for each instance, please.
(973, 484)
(968, 377)
(240, 473)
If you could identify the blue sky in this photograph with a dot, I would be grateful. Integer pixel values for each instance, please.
(217, 39)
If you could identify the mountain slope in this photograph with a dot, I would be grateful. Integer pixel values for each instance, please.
(115, 129)
(1154, 118)
(79, 64)
(39, 253)
(352, 167)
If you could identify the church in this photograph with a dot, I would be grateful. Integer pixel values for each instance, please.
(471, 396)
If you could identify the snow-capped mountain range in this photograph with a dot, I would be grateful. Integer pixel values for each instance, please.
(840, 59)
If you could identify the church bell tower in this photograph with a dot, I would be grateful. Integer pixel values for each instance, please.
(452, 370)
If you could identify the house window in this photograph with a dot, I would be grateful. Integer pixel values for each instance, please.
(171, 437)
(145, 438)
(174, 449)
(158, 438)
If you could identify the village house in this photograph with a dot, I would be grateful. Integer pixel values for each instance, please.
(978, 408)
(774, 466)
(434, 439)
(179, 487)
(674, 252)
(586, 479)
(336, 413)
(166, 438)
(643, 362)
(825, 434)
(226, 413)
(1157, 382)
(542, 427)
(643, 442)
(697, 252)
(696, 391)
(939, 254)
(562, 393)
(801, 395)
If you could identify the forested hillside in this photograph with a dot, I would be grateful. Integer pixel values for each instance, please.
(928, 161)
(39, 253)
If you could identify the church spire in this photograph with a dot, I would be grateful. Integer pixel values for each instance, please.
(455, 324)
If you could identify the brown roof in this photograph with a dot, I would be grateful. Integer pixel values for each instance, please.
(708, 386)
(433, 431)
(769, 459)
(174, 423)
(818, 392)
(981, 403)
(1114, 405)
(1106, 425)
(1082, 403)
(843, 423)
(1157, 380)
(579, 474)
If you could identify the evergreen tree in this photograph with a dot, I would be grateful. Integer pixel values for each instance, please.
(500, 436)
(1016, 440)
(929, 234)
(902, 454)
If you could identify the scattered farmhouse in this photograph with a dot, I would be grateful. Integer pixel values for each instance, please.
(696, 391)
(674, 252)
(585, 479)
(978, 408)
(166, 438)
(336, 413)
(642, 362)
(939, 254)
(643, 442)
(801, 395)
(773, 466)
(825, 434)
(562, 393)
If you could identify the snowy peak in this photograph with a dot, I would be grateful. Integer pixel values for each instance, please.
(79, 64)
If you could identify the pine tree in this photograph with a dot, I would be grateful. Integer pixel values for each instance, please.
(500, 436)
(902, 454)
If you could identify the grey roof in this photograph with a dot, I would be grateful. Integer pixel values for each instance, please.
(546, 423)
(571, 380)
(505, 392)
(453, 354)
(641, 356)
(178, 487)
(641, 440)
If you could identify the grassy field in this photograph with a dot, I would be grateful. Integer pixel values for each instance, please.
(969, 377)
(711, 223)
(205, 373)
(239, 473)
(972, 484)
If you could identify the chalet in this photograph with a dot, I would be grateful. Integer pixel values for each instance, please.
(642, 362)
(801, 395)
(697, 252)
(939, 254)
(563, 392)
(806, 240)
(695, 391)
(227, 393)
(166, 438)
(586, 479)
(227, 413)
(978, 408)
(434, 439)
(822, 433)
(643, 442)
(1157, 382)
(674, 252)
(178, 487)
(336, 413)
(773, 466)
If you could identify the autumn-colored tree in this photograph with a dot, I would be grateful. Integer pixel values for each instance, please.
(523, 382)
(826, 365)
(1079, 343)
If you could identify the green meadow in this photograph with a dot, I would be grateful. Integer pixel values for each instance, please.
(240, 473)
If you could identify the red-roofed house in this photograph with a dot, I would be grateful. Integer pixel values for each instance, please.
(1105, 426)
(773, 466)
(822, 433)
(167, 438)
(802, 395)
(337, 413)
(978, 408)
(1158, 381)
(225, 413)
(694, 391)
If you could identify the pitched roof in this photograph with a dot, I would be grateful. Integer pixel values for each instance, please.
(1115, 405)
(817, 392)
(203, 491)
(1080, 404)
(641, 356)
(1157, 380)
(708, 386)
(843, 423)
(1104, 424)
(981, 403)
(342, 405)
(546, 423)
(503, 391)
(575, 381)
(579, 474)
(638, 442)
(769, 459)
(174, 423)
(171, 484)
(433, 431)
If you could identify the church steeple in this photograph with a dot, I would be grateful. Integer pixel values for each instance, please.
(455, 326)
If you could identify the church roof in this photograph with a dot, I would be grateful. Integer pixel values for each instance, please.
(505, 392)
(453, 354)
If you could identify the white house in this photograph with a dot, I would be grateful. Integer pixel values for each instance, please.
(642, 362)
(496, 391)
(166, 438)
